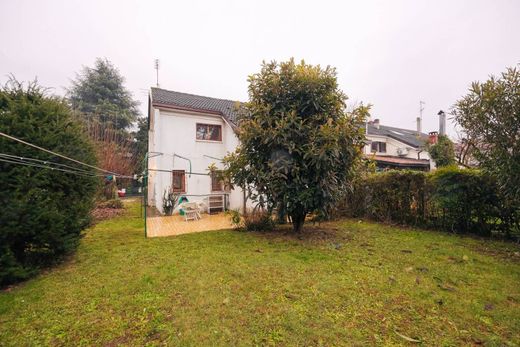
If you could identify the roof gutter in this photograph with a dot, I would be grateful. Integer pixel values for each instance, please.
(426, 164)
(182, 108)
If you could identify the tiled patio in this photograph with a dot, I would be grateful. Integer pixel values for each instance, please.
(176, 225)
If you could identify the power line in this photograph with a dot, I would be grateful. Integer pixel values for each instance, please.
(60, 155)
(48, 165)
(44, 162)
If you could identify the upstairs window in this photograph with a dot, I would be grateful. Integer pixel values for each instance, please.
(178, 181)
(209, 132)
(378, 147)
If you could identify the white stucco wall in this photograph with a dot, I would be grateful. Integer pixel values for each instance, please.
(174, 132)
(392, 147)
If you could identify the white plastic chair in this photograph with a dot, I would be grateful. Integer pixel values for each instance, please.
(191, 211)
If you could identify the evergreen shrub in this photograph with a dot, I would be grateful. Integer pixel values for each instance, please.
(43, 211)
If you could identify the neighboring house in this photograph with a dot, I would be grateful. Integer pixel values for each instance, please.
(396, 148)
(188, 133)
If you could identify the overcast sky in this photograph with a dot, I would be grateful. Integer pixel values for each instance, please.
(391, 54)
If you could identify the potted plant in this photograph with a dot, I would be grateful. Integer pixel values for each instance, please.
(170, 200)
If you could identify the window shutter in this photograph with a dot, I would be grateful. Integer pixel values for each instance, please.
(178, 181)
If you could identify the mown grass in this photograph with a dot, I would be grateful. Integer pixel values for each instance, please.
(342, 283)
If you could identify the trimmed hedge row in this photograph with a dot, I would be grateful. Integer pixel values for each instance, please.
(452, 199)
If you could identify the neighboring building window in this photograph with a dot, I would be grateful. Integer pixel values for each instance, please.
(209, 132)
(216, 184)
(178, 181)
(379, 147)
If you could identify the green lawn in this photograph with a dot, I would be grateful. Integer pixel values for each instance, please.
(344, 283)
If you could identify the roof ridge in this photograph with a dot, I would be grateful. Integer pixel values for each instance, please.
(396, 128)
(197, 95)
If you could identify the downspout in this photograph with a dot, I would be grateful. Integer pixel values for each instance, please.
(145, 183)
(146, 157)
(244, 207)
(366, 136)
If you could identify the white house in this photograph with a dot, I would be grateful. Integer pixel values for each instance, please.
(188, 133)
(398, 148)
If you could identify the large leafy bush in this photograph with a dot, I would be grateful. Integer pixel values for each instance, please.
(43, 211)
(298, 144)
(490, 116)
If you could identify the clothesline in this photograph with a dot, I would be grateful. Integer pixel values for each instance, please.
(62, 156)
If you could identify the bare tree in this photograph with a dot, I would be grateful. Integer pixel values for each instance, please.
(465, 149)
(115, 152)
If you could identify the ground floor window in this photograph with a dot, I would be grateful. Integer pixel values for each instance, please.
(178, 181)
(216, 183)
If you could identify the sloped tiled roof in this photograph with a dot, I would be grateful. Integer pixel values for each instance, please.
(407, 136)
(229, 110)
(226, 108)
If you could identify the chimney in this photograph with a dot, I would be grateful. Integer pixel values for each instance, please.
(433, 137)
(419, 129)
(376, 123)
(442, 123)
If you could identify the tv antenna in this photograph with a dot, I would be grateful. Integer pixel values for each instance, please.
(156, 67)
(421, 108)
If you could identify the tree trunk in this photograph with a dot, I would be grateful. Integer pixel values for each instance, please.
(281, 214)
(298, 218)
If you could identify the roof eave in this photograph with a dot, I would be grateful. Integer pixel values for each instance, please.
(196, 110)
(393, 163)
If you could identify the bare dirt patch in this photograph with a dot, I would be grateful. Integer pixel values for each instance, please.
(103, 213)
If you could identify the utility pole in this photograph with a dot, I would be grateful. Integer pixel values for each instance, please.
(156, 66)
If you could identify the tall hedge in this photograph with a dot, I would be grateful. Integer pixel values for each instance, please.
(396, 195)
(42, 211)
(464, 200)
(452, 199)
